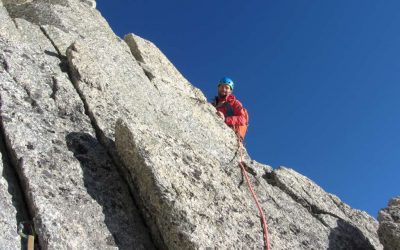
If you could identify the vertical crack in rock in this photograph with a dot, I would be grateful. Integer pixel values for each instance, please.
(149, 74)
(9, 173)
(137, 54)
(26, 211)
(75, 77)
(87, 184)
(65, 67)
(52, 43)
(134, 48)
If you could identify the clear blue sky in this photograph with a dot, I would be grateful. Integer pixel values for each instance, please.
(321, 80)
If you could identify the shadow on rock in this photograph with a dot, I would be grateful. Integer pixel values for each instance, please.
(63, 60)
(106, 186)
(347, 236)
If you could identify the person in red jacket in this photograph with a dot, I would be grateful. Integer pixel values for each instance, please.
(229, 108)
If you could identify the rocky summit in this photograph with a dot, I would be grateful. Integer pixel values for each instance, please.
(105, 145)
(389, 225)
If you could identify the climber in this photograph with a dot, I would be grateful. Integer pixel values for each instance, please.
(230, 109)
(236, 117)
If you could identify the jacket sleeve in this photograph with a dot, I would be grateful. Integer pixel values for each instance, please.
(239, 116)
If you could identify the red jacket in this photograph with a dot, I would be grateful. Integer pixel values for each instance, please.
(232, 109)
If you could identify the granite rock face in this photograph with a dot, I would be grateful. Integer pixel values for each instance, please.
(114, 148)
(200, 200)
(74, 192)
(389, 225)
(12, 207)
(348, 226)
(160, 71)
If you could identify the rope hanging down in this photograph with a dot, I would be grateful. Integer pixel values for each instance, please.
(260, 210)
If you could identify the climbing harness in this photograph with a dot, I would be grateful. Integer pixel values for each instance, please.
(260, 210)
(30, 236)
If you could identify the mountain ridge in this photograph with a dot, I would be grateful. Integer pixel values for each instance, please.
(105, 133)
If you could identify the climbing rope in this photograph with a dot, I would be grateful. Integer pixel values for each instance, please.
(260, 210)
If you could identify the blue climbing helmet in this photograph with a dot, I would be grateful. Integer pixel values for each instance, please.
(226, 81)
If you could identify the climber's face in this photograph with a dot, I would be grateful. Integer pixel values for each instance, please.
(224, 90)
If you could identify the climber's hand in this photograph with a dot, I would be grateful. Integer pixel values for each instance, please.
(220, 114)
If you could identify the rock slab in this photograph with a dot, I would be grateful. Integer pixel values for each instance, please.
(12, 207)
(73, 189)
